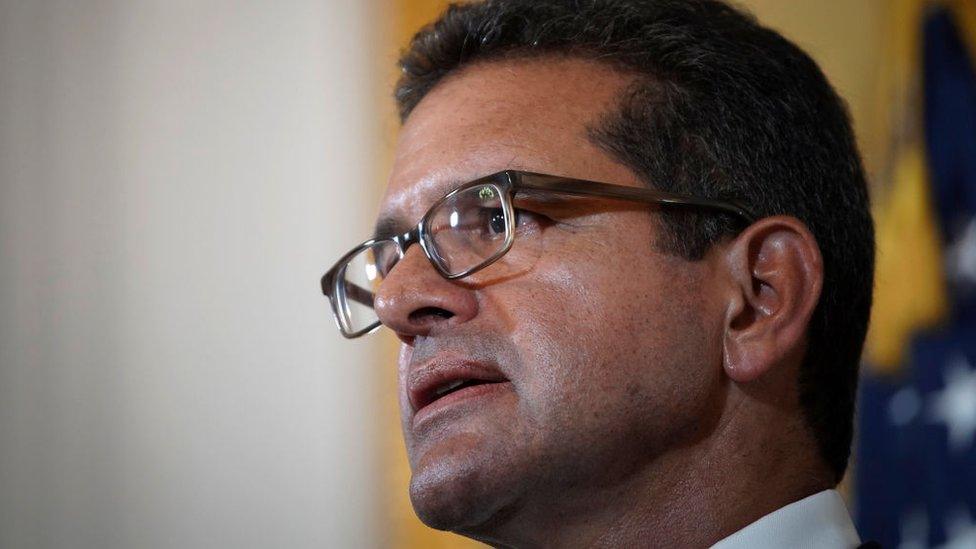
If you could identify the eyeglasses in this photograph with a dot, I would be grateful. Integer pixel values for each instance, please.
(467, 230)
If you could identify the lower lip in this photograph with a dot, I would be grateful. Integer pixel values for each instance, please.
(481, 391)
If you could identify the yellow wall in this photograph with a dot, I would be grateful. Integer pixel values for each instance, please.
(844, 36)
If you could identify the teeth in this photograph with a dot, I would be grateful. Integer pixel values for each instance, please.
(444, 389)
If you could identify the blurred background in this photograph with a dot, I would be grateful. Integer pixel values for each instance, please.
(176, 175)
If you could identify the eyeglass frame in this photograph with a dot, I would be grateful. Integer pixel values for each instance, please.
(509, 183)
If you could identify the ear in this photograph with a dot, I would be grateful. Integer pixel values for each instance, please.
(777, 274)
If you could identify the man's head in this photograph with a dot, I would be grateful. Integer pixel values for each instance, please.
(630, 349)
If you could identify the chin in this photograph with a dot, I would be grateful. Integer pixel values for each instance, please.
(460, 493)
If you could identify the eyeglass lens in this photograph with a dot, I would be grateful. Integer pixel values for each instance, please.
(358, 283)
(462, 232)
(468, 228)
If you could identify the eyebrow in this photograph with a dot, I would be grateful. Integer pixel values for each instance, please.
(388, 226)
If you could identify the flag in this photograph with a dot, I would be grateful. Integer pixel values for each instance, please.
(915, 463)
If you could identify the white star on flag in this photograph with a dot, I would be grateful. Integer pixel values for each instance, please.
(961, 256)
(955, 404)
(961, 530)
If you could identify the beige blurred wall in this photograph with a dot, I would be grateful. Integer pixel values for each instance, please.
(175, 175)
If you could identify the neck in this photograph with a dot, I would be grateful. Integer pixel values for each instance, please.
(698, 494)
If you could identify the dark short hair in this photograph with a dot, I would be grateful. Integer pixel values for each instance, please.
(719, 107)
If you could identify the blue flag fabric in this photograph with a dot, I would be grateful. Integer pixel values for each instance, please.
(916, 459)
(950, 136)
(915, 465)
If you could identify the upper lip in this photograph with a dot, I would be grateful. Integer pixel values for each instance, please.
(424, 381)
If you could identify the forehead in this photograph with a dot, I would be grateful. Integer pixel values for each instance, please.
(529, 114)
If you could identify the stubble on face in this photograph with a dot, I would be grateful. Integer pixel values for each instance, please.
(601, 339)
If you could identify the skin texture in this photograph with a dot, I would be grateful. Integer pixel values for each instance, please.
(650, 400)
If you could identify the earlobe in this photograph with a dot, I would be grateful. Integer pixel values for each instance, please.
(776, 274)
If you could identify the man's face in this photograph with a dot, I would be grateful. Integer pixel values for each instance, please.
(595, 359)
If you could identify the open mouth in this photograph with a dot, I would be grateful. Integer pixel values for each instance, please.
(441, 383)
(451, 388)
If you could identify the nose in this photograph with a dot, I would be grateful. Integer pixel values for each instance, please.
(414, 300)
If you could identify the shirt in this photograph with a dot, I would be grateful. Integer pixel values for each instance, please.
(817, 521)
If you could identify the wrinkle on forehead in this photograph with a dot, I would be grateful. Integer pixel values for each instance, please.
(529, 114)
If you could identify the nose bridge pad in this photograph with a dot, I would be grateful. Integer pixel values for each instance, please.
(403, 244)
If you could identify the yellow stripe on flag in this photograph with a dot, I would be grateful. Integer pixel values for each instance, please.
(910, 291)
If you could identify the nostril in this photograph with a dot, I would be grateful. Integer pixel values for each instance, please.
(430, 313)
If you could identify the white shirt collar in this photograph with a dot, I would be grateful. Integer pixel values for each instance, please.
(820, 521)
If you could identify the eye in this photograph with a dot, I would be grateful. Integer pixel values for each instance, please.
(525, 221)
(496, 221)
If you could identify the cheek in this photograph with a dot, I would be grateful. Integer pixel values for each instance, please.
(603, 341)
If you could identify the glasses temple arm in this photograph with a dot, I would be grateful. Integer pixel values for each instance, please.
(604, 190)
